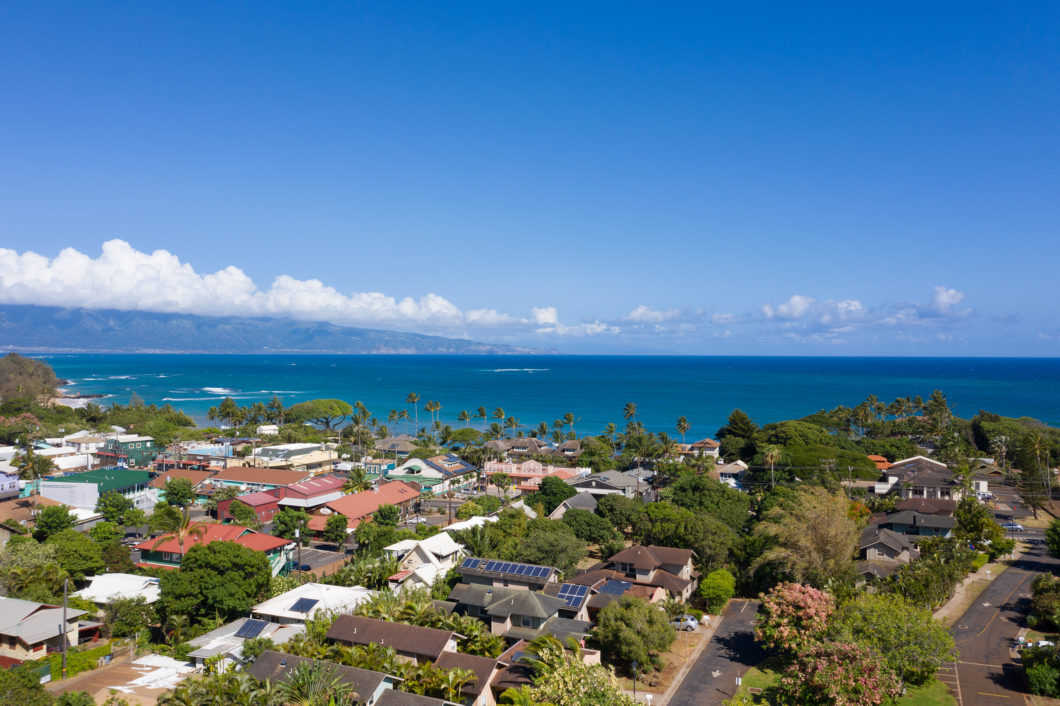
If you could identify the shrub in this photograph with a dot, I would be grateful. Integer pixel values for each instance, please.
(716, 589)
(1042, 679)
(793, 616)
(980, 561)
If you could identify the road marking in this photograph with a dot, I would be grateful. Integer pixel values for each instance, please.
(986, 605)
(980, 664)
(990, 693)
(998, 611)
(957, 676)
(716, 673)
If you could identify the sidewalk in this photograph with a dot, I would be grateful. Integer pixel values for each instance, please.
(654, 699)
(970, 588)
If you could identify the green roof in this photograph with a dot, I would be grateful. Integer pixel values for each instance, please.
(107, 480)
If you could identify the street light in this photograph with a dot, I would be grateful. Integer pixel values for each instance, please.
(634, 665)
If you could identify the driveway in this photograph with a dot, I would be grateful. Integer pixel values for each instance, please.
(712, 679)
(986, 674)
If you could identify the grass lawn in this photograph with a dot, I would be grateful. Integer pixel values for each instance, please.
(934, 693)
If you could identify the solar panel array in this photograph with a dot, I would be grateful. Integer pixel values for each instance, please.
(304, 605)
(573, 594)
(616, 587)
(507, 567)
(251, 628)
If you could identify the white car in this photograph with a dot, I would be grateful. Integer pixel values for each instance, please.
(1012, 527)
(686, 622)
(415, 521)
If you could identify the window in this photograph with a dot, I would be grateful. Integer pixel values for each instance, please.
(526, 621)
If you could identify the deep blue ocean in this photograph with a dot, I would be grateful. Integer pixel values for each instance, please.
(594, 388)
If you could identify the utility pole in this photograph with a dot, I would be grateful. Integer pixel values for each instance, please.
(63, 627)
(298, 539)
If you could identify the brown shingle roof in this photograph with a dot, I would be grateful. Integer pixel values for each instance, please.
(428, 643)
(264, 476)
(483, 667)
(277, 667)
(652, 557)
(196, 477)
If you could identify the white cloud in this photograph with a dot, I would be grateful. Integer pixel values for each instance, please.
(649, 315)
(945, 298)
(545, 316)
(794, 308)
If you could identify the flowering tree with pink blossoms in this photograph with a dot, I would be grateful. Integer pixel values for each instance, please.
(793, 616)
(838, 674)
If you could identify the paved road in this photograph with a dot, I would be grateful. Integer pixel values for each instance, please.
(986, 674)
(712, 679)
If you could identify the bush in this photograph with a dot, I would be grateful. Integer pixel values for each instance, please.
(696, 613)
(716, 589)
(1042, 679)
(980, 561)
(77, 662)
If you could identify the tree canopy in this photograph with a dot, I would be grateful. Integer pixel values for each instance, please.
(220, 578)
(327, 413)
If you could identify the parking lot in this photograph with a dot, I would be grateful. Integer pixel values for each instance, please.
(319, 561)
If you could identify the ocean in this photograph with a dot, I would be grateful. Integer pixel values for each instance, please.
(594, 388)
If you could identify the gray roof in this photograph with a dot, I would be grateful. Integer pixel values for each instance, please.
(879, 535)
(392, 697)
(30, 621)
(502, 601)
(276, 667)
(911, 517)
(223, 640)
(581, 501)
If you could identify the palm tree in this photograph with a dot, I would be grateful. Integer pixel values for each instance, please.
(498, 414)
(412, 399)
(315, 684)
(33, 467)
(683, 427)
(512, 423)
(404, 416)
(176, 624)
(522, 696)
(356, 481)
(771, 455)
(610, 431)
(568, 420)
(483, 415)
(276, 410)
(175, 524)
(454, 682)
(630, 411)
(464, 417)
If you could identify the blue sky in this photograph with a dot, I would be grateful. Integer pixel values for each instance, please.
(594, 177)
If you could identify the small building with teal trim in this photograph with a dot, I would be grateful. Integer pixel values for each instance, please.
(82, 490)
(129, 450)
(166, 552)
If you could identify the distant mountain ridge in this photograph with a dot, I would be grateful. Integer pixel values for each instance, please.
(54, 329)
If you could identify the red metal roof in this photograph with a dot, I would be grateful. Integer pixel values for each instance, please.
(362, 504)
(214, 533)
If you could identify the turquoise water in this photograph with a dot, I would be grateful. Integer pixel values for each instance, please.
(594, 388)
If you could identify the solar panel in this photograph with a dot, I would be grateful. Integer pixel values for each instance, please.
(493, 566)
(470, 564)
(506, 568)
(541, 572)
(615, 587)
(304, 605)
(573, 594)
(251, 628)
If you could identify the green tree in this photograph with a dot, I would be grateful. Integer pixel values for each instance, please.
(51, 520)
(911, 642)
(387, 515)
(838, 673)
(222, 579)
(244, 514)
(550, 493)
(716, 589)
(77, 554)
(113, 505)
(124, 617)
(117, 559)
(558, 549)
(226, 493)
(631, 629)
(618, 510)
(22, 377)
(335, 529)
(469, 509)
(179, 492)
(174, 523)
(287, 521)
(588, 526)
(33, 467)
(975, 522)
(737, 436)
(327, 413)
(1052, 538)
(134, 517)
(704, 495)
(21, 685)
(107, 534)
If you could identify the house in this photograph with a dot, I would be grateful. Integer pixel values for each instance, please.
(401, 445)
(267, 430)
(306, 601)
(423, 561)
(608, 483)
(9, 484)
(730, 474)
(226, 642)
(471, 523)
(439, 474)
(578, 501)
(17, 516)
(927, 506)
(359, 506)
(249, 479)
(919, 524)
(882, 464)
(697, 449)
(493, 572)
(485, 669)
(607, 591)
(527, 476)
(393, 697)
(517, 613)
(882, 551)
(307, 458)
(410, 642)
(377, 467)
(312, 493)
(166, 552)
(921, 477)
(575, 598)
(129, 450)
(196, 477)
(107, 588)
(264, 503)
(524, 447)
(657, 567)
(276, 667)
(570, 449)
(82, 490)
(29, 630)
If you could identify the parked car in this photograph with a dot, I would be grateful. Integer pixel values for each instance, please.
(1012, 527)
(415, 521)
(686, 622)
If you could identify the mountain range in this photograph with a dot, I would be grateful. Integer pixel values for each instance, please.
(55, 329)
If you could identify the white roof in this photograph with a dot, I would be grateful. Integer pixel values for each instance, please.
(223, 640)
(471, 523)
(32, 621)
(314, 501)
(439, 545)
(134, 437)
(339, 599)
(106, 588)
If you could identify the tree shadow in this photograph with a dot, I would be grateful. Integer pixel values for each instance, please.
(741, 648)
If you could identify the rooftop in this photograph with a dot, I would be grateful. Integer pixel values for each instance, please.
(106, 479)
(410, 639)
(311, 598)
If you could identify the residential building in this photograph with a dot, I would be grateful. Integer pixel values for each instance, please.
(570, 450)
(410, 642)
(9, 484)
(377, 467)
(306, 601)
(267, 430)
(29, 630)
(485, 669)
(608, 483)
(883, 551)
(510, 612)
(423, 561)
(226, 642)
(82, 490)
(471, 523)
(527, 475)
(927, 507)
(507, 574)
(578, 501)
(197, 478)
(167, 552)
(524, 447)
(107, 588)
(731, 474)
(359, 506)
(308, 458)
(277, 667)
(439, 474)
(914, 523)
(129, 450)
(264, 503)
(657, 567)
(401, 445)
(312, 493)
(250, 479)
(921, 477)
(703, 447)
